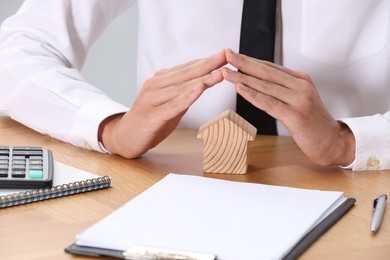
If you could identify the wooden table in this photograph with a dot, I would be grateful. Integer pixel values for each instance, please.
(42, 230)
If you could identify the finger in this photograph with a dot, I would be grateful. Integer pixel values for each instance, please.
(264, 69)
(177, 67)
(271, 105)
(185, 100)
(192, 70)
(166, 95)
(268, 92)
(232, 56)
(264, 87)
(178, 106)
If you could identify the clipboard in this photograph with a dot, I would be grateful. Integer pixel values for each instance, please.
(330, 207)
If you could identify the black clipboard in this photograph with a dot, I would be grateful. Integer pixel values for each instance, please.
(320, 229)
(294, 253)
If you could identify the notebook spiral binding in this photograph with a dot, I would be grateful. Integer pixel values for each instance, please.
(54, 192)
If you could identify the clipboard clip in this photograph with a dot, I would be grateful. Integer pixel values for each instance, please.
(153, 253)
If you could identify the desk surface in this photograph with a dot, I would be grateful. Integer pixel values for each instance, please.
(42, 230)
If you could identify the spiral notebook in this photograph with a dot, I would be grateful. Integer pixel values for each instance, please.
(67, 181)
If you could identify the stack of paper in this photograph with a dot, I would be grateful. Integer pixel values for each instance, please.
(231, 220)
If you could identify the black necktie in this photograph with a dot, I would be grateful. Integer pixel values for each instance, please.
(257, 40)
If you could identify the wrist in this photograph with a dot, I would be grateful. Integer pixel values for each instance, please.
(346, 154)
(106, 132)
(120, 137)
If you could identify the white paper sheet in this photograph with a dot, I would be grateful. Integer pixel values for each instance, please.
(229, 219)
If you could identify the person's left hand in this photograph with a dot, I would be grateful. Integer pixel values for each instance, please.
(290, 97)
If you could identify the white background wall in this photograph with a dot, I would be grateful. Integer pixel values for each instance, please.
(111, 63)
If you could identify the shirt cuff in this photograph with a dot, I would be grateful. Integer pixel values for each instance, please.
(348, 167)
(102, 148)
(88, 119)
(372, 137)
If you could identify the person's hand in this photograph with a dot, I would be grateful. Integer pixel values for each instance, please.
(160, 105)
(291, 98)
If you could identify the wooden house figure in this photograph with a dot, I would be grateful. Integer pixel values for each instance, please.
(225, 143)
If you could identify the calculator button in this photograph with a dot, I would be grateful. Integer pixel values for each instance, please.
(35, 174)
(26, 148)
(35, 162)
(36, 157)
(4, 152)
(36, 167)
(18, 161)
(18, 174)
(18, 167)
(3, 173)
(18, 157)
(27, 153)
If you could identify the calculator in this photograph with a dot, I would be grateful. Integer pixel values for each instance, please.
(25, 167)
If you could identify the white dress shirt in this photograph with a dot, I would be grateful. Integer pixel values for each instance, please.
(44, 45)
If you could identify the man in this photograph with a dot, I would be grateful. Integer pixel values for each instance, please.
(345, 53)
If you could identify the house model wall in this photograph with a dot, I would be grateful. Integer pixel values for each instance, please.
(225, 143)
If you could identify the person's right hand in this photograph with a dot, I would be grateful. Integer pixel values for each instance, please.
(160, 105)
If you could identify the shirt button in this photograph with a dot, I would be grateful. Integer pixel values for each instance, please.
(87, 145)
(373, 162)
